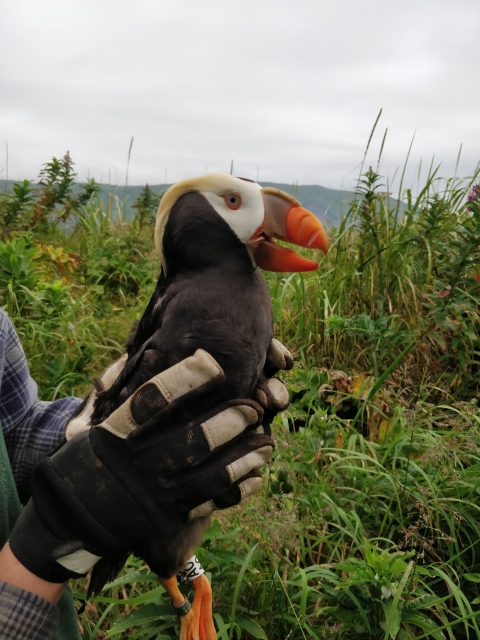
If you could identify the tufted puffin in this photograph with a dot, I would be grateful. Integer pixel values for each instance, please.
(212, 233)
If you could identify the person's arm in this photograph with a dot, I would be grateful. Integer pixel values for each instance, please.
(27, 603)
(31, 428)
(12, 571)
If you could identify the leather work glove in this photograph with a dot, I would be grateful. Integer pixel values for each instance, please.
(270, 393)
(140, 473)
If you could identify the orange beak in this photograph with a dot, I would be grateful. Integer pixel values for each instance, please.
(285, 219)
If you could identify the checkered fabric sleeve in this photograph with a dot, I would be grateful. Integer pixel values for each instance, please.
(31, 428)
(25, 616)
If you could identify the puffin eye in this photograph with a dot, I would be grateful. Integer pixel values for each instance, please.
(233, 200)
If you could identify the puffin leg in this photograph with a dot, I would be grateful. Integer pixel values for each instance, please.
(187, 623)
(198, 623)
(202, 609)
(171, 587)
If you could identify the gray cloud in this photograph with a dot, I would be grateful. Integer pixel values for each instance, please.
(287, 89)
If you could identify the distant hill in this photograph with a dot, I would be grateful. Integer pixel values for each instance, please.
(326, 204)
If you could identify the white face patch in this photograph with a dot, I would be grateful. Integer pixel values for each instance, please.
(245, 220)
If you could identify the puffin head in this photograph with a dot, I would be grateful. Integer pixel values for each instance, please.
(256, 216)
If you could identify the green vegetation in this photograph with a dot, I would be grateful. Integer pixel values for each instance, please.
(369, 523)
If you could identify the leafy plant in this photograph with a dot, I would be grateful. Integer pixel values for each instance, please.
(16, 208)
(18, 274)
(56, 179)
(146, 205)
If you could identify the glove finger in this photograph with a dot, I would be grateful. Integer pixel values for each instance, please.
(198, 373)
(279, 358)
(216, 476)
(272, 395)
(229, 422)
(191, 443)
(80, 420)
(238, 493)
(111, 373)
(197, 442)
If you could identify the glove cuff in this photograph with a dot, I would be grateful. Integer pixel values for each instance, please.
(39, 551)
(61, 534)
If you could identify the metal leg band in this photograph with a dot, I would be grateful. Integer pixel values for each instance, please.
(183, 609)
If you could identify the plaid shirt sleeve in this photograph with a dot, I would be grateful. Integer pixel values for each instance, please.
(25, 616)
(31, 428)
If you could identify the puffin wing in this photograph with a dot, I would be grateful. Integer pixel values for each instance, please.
(140, 359)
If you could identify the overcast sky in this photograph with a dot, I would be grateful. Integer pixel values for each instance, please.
(287, 89)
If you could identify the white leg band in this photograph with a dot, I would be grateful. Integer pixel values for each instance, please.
(192, 570)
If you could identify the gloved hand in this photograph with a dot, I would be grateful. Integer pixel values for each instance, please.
(271, 393)
(140, 473)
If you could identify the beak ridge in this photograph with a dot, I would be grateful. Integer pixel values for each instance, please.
(304, 229)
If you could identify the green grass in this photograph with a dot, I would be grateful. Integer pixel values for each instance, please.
(369, 521)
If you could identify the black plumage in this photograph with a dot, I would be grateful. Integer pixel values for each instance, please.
(211, 297)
